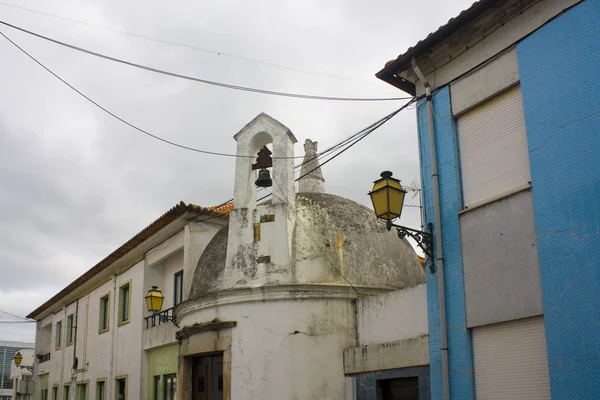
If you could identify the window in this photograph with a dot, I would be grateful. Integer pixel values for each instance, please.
(104, 313)
(493, 148)
(101, 390)
(58, 335)
(121, 387)
(81, 391)
(54, 392)
(170, 387)
(124, 293)
(177, 288)
(66, 393)
(44, 394)
(69, 332)
(399, 388)
(156, 386)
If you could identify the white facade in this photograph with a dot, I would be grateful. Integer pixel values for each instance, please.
(22, 378)
(277, 302)
(295, 286)
(119, 351)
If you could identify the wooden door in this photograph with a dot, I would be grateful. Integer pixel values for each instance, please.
(207, 377)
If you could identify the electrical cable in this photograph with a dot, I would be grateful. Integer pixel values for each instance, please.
(13, 315)
(145, 132)
(218, 53)
(205, 81)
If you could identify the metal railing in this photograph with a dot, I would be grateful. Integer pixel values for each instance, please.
(159, 318)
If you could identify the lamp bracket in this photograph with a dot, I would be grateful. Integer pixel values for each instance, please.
(165, 318)
(424, 239)
(27, 367)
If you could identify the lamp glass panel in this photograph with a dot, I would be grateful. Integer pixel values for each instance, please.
(18, 359)
(380, 203)
(396, 201)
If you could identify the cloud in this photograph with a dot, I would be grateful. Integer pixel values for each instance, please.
(75, 183)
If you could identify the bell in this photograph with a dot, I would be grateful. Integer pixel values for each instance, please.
(264, 178)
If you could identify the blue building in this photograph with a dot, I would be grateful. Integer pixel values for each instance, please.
(511, 90)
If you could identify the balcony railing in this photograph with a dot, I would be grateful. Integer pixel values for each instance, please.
(159, 318)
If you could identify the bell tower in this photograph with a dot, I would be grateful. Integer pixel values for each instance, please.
(260, 235)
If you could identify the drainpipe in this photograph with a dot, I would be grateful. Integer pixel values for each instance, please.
(439, 252)
(113, 328)
(74, 366)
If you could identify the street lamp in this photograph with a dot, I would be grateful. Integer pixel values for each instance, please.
(19, 360)
(387, 196)
(154, 302)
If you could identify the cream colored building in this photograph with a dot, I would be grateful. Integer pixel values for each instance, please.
(303, 296)
(95, 338)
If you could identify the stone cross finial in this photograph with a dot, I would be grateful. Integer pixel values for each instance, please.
(311, 180)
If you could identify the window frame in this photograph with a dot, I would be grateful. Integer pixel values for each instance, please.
(69, 330)
(165, 378)
(121, 378)
(122, 320)
(176, 275)
(66, 390)
(77, 389)
(58, 335)
(55, 392)
(107, 313)
(103, 382)
(156, 387)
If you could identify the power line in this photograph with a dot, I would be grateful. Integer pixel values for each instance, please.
(13, 315)
(205, 81)
(218, 53)
(16, 322)
(145, 132)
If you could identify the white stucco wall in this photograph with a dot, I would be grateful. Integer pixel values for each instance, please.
(286, 346)
(392, 316)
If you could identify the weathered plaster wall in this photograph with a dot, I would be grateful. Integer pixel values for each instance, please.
(564, 146)
(392, 316)
(286, 346)
(397, 354)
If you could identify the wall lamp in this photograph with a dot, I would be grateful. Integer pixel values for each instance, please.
(387, 196)
(19, 360)
(154, 302)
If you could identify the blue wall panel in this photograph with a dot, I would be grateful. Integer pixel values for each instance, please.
(459, 340)
(559, 67)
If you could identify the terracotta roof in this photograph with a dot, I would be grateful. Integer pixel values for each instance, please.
(219, 211)
(387, 74)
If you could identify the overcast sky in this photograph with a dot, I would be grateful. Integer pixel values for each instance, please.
(76, 183)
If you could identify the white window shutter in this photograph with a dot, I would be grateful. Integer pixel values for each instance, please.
(493, 148)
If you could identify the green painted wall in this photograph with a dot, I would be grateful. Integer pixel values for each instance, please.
(161, 361)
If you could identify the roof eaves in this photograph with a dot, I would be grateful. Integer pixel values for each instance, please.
(391, 72)
(220, 211)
